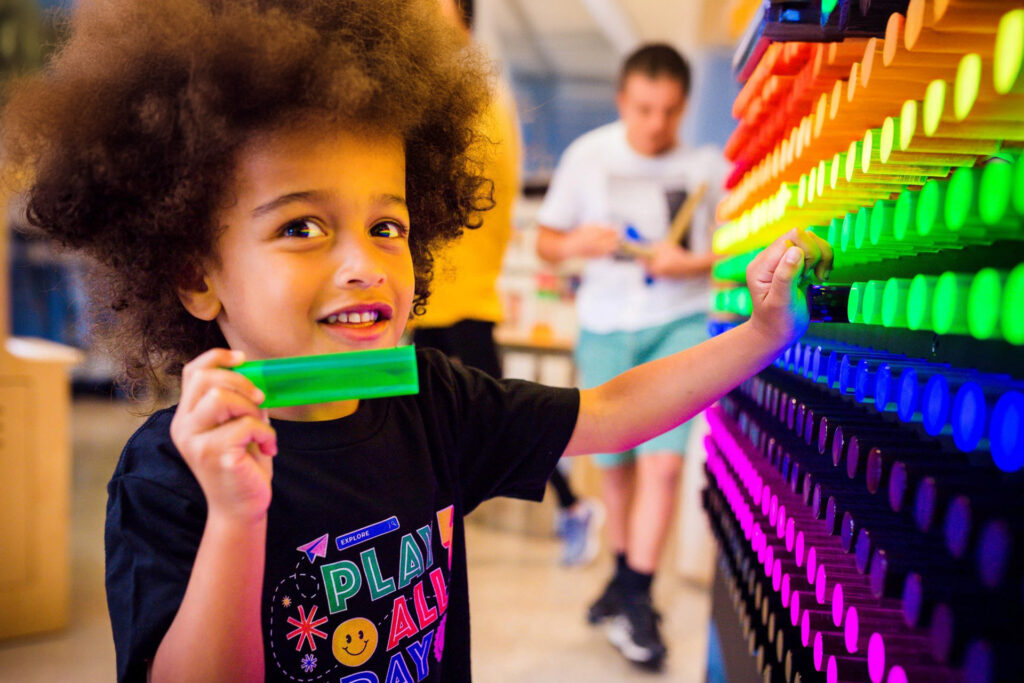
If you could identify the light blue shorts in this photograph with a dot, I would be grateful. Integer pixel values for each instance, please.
(600, 357)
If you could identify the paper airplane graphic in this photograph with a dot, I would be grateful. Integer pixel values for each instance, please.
(313, 549)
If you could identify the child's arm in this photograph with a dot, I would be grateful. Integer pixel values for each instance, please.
(655, 397)
(228, 444)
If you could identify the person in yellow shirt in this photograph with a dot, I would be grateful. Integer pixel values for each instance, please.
(464, 303)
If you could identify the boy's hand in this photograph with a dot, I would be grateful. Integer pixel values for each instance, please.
(780, 309)
(224, 437)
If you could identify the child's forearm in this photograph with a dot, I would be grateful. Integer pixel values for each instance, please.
(216, 634)
(657, 396)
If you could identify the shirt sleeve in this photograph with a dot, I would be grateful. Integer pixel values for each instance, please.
(509, 434)
(560, 209)
(155, 519)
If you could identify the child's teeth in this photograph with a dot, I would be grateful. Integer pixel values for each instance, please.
(354, 318)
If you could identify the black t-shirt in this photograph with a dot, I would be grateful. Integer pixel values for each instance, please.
(365, 578)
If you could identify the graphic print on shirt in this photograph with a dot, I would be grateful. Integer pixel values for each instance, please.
(342, 613)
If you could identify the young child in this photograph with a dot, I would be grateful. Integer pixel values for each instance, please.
(260, 179)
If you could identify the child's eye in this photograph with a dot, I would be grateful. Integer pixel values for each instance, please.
(303, 227)
(388, 229)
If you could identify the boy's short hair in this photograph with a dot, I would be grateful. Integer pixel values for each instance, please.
(127, 140)
(654, 61)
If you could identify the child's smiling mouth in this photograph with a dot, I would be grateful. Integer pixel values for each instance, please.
(366, 321)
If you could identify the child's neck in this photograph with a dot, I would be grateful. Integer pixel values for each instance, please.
(317, 412)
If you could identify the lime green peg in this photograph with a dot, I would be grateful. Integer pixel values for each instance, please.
(846, 238)
(995, 191)
(1011, 318)
(983, 303)
(871, 302)
(919, 302)
(861, 228)
(880, 230)
(1008, 57)
(1017, 191)
(744, 302)
(967, 85)
(949, 308)
(853, 303)
(894, 302)
(904, 217)
(930, 218)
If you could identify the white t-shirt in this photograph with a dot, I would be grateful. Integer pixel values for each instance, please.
(601, 179)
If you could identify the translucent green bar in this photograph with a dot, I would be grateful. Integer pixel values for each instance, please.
(862, 228)
(308, 380)
(919, 302)
(966, 85)
(949, 308)
(930, 204)
(871, 302)
(846, 239)
(1011, 317)
(994, 191)
(904, 220)
(984, 303)
(894, 302)
(1017, 194)
(882, 217)
(934, 106)
(734, 268)
(853, 303)
(827, 6)
(1009, 53)
(960, 205)
(835, 231)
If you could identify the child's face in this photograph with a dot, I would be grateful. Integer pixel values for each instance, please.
(314, 256)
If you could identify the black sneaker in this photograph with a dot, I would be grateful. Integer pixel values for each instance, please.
(635, 634)
(606, 606)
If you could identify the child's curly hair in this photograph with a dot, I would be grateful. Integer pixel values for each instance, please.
(128, 139)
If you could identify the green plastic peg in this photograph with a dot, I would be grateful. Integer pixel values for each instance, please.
(961, 205)
(871, 302)
(894, 302)
(1012, 322)
(994, 192)
(983, 303)
(306, 380)
(853, 304)
(949, 308)
(919, 302)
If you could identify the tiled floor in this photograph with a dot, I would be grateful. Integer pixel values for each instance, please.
(527, 611)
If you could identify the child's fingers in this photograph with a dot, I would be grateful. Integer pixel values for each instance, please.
(763, 266)
(229, 442)
(789, 267)
(823, 268)
(202, 381)
(219, 405)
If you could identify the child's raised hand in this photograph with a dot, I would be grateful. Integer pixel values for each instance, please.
(780, 310)
(224, 437)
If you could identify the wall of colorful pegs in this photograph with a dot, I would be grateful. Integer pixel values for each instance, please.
(867, 489)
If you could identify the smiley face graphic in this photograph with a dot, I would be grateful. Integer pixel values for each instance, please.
(354, 641)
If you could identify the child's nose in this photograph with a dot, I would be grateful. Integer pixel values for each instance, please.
(360, 265)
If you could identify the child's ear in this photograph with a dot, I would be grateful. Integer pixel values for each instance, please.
(198, 297)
